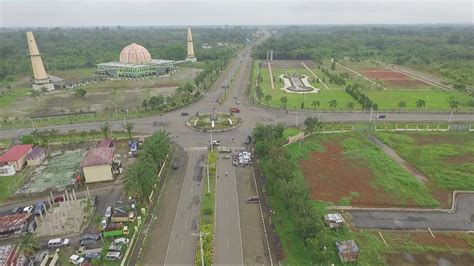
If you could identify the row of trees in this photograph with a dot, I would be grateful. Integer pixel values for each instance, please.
(140, 178)
(288, 190)
(360, 97)
(334, 78)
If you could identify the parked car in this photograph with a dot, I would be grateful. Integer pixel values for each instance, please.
(381, 116)
(121, 241)
(216, 143)
(92, 256)
(104, 222)
(253, 199)
(76, 260)
(113, 255)
(90, 236)
(108, 212)
(59, 198)
(40, 208)
(234, 110)
(28, 209)
(114, 247)
(184, 114)
(17, 210)
(88, 242)
(58, 242)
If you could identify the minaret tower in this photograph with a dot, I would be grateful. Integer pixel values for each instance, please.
(190, 54)
(41, 78)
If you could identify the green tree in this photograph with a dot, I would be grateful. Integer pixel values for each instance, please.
(333, 104)
(333, 65)
(315, 104)
(402, 104)
(259, 93)
(420, 103)
(453, 105)
(29, 245)
(311, 124)
(80, 92)
(283, 101)
(105, 129)
(350, 105)
(268, 98)
(129, 126)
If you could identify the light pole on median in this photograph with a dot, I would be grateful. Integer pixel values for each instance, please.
(200, 244)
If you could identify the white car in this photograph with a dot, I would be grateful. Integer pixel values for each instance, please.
(75, 259)
(121, 241)
(104, 222)
(28, 209)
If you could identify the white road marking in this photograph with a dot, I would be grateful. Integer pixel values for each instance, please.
(182, 242)
(186, 223)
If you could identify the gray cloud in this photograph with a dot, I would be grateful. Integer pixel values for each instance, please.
(19, 13)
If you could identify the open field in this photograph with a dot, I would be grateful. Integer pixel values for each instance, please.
(105, 96)
(347, 169)
(400, 88)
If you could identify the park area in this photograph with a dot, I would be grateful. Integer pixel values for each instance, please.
(386, 87)
(350, 169)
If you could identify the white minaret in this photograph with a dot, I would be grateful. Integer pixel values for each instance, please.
(41, 78)
(190, 51)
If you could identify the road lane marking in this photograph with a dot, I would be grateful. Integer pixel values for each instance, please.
(182, 243)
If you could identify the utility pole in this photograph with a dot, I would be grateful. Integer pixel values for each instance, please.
(200, 244)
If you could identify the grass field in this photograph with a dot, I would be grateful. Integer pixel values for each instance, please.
(4, 183)
(446, 158)
(387, 100)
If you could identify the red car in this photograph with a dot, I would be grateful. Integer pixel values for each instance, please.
(234, 110)
(58, 199)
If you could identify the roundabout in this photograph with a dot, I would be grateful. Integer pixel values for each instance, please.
(215, 121)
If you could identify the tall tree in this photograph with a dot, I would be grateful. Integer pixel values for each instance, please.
(29, 245)
(402, 104)
(420, 103)
(283, 101)
(333, 104)
(311, 124)
(315, 104)
(350, 105)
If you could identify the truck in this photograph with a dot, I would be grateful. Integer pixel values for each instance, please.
(224, 149)
(120, 217)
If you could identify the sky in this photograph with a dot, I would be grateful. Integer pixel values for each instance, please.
(79, 13)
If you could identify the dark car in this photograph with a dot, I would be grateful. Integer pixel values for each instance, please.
(17, 210)
(92, 256)
(248, 140)
(58, 199)
(381, 116)
(184, 114)
(88, 242)
(94, 237)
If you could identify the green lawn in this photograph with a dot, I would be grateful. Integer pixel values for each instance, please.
(12, 96)
(74, 74)
(440, 159)
(290, 131)
(4, 182)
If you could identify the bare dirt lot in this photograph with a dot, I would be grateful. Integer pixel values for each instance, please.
(430, 258)
(332, 177)
(392, 78)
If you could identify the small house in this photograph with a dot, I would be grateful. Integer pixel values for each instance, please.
(36, 156)
(347, 251)
(334, 220)
(16, 156)
(97, 165)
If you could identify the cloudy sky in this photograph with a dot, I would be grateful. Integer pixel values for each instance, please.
(27, 13)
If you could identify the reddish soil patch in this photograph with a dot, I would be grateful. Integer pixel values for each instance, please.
(436, 139)
(441, 240)
(331, 177)
(392, 77)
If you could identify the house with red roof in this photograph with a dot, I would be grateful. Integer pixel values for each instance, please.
(16, 156)
(97, 165)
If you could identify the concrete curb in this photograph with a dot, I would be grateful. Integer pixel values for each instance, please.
(456, 194)
(215, 131)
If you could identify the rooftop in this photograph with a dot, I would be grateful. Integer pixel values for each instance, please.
(347, 246)
(35, 152)
(13, 222)
(98, 156)
(15, 153)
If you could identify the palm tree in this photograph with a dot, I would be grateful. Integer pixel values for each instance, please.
(333, 104)
(350, 105)
(129, 126)
(402, 104)
(283, 101)
(105, 128)
(420, 103)
(453, 105)
(29, 244)
(315, 104)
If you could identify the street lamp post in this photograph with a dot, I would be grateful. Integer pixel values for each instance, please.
(200, 244)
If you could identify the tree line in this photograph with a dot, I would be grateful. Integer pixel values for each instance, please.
(362, 98)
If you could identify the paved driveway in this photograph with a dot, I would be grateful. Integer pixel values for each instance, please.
(462, 219)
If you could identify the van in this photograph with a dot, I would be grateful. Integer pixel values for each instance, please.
(114, 255)
(58, 243)
(108, 212)
(40, 208)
